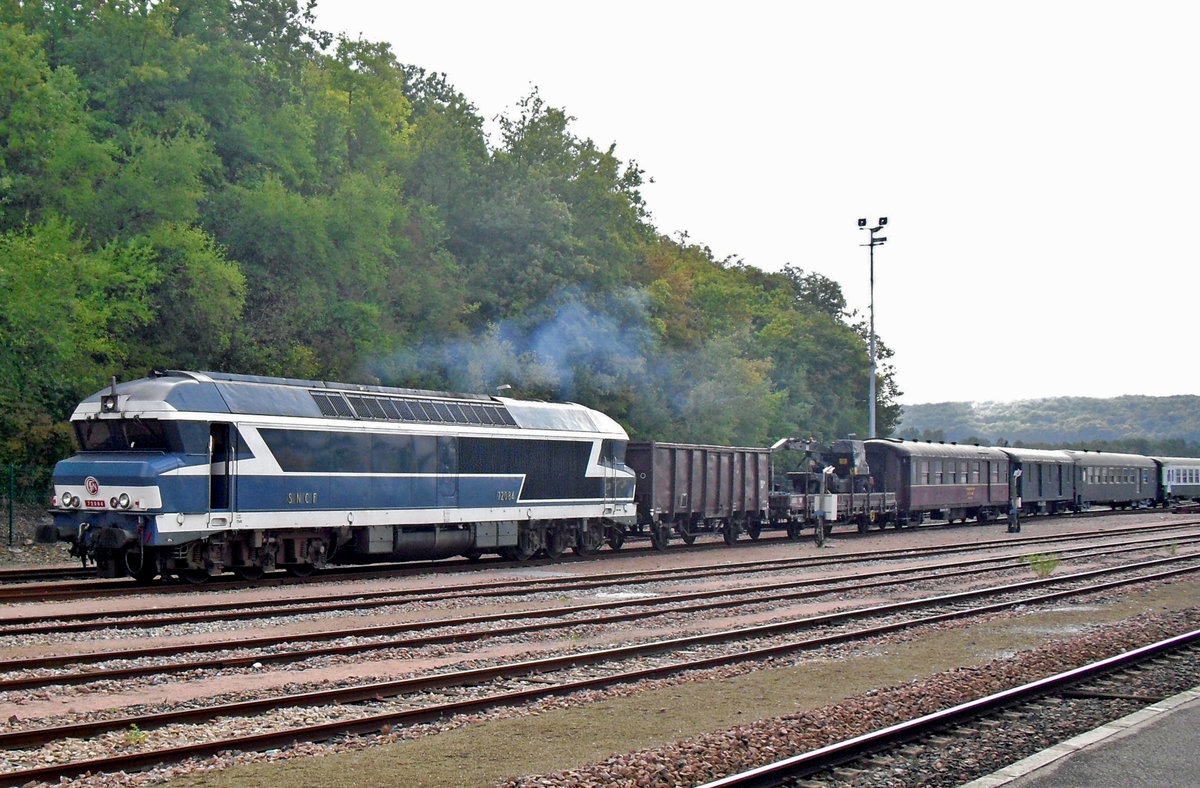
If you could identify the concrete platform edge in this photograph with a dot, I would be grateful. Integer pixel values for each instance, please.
(1077, 743)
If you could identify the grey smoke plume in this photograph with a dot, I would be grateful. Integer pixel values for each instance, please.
(578, 344)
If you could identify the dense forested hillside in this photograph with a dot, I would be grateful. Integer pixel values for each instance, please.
(216, 184)
(1147, 425)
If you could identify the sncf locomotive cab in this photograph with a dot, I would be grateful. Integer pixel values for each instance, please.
(136, 461)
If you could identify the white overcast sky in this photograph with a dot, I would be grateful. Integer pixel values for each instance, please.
(1038, 161)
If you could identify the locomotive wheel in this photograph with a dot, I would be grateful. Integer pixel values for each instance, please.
(194, 576)
(145, 569)
(591, 539)
(686, 533)
(558, 538)
(659, 536)
(615, 537)
(300, 570)
(249, 573)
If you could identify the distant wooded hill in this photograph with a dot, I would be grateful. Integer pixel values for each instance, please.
(1152, 425)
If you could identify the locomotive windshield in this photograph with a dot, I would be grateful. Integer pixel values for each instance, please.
(141, 435)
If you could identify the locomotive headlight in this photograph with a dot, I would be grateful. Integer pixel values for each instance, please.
(65, 501)
(123, 500)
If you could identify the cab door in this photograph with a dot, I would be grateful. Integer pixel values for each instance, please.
(221, 456)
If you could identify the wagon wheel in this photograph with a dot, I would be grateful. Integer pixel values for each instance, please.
(686, 532)
(754, 528)
(793, 529)
(660, 535)
(730, 532)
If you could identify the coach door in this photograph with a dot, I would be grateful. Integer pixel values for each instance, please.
(447, 472)
(220, 474)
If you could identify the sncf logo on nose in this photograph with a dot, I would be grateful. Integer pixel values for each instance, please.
(91, 485)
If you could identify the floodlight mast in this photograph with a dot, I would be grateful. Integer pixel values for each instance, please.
(862, 225)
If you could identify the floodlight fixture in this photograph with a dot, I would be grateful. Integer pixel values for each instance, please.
(875, 241)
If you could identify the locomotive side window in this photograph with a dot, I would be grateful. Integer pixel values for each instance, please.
(612, 452)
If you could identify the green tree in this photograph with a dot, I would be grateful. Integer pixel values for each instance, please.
(197, 301)
(68, 315)
(50, 162)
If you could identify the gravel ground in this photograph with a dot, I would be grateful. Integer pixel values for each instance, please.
(692, 728)
(21, 549)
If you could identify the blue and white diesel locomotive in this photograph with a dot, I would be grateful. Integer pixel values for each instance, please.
(192, 474)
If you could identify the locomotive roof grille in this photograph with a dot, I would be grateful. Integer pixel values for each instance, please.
(337, 404)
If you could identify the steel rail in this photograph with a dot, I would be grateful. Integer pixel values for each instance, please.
(35, 623)
(126, 587)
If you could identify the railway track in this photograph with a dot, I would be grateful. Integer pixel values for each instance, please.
(363, 708)
(246, 651)
(28, 593)
(43, 583)
(1118, 685)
